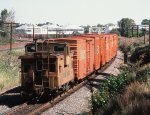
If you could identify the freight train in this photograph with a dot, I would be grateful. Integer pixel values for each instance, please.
(56, 64)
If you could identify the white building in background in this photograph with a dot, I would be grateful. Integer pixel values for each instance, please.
(28, 29)
(53, 29)
(49, 29)
(146, 27)
(72, 29)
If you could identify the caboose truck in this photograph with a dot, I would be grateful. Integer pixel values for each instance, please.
(46, 66)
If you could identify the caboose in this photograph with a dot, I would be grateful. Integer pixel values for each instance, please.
(46, 66)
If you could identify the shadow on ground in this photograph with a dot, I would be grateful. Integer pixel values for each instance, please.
(97, 82)
(11, 98)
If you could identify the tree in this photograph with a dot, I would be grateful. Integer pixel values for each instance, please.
(123, 24)
(99, 25)
(10, 16)
(6, 16)
(86, 28)
(109, 24)
(145, 22)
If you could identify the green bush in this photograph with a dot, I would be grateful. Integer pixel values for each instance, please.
(141, 53)
(100, 99)
(143, 75)
(140, 34)
(111, 87)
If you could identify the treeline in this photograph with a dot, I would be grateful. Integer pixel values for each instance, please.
(128, 27)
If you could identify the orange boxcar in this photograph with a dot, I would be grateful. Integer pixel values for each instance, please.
(102, 47)
(97, 57)
(89, 53)
(102, 50)
(115, 44)
(110, 47)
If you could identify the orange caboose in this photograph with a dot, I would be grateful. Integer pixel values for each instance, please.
(46, 66)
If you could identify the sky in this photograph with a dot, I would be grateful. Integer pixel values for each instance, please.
(77, 12)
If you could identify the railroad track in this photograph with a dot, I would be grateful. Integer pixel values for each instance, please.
(35, 108)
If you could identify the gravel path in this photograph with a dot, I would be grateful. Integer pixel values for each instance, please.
(78, 102)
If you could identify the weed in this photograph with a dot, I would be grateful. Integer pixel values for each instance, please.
(9, 68)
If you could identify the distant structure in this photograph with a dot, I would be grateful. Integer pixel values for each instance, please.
(72, 29)
(95, 29)
(49, 29)
(52, 29)
(28, 29)
(103, 29)
(109, 28)
(146, 27)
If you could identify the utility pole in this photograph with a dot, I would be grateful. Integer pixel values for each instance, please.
(33, 34)
(149, 34)
(47, 32)
(137, 31)
(132, 31)
(144, 35)
(11, 25)
(34, 39)
(127, 32)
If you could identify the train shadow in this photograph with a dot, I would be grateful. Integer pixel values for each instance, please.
(105, 75)
(11, 98)
(96, 83)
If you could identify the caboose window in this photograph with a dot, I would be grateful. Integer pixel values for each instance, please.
(52, 65)
(52, 68)
(26, 68)
(59, 48)
(39, 65)
(30, 48)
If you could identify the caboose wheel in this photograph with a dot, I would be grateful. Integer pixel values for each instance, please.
(67, 86)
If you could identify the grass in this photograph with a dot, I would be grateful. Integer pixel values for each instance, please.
(141, 53)
(136, 99)
(9, 69)
(4, 41)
